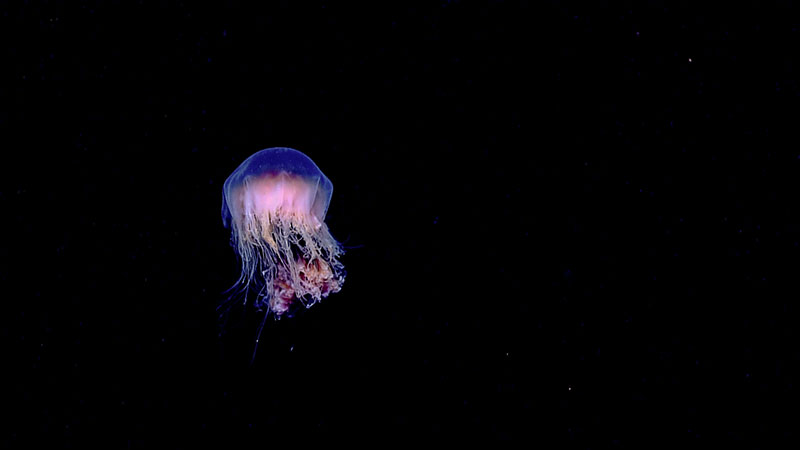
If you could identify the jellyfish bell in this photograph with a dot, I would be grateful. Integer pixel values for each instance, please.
(275, 204)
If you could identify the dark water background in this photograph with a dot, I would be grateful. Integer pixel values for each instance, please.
(571, 224)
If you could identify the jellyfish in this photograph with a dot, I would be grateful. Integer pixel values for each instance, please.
(275, 203)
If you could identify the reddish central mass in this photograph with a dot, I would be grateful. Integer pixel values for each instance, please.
(316, 278)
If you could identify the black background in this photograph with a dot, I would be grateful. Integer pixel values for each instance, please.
(566, 224)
